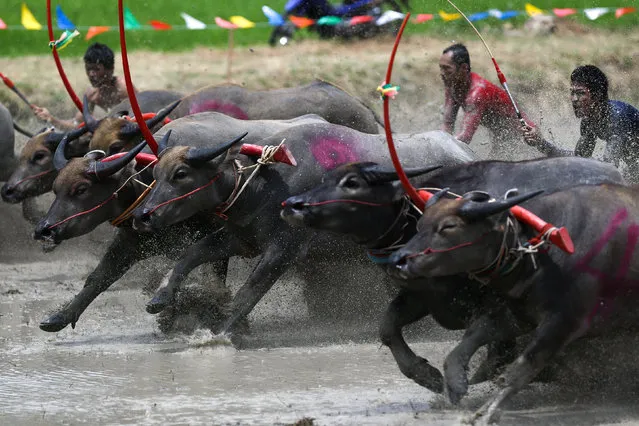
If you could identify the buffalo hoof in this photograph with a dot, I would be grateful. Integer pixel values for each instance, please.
(55, 323)
(160, 301)
(427, 376)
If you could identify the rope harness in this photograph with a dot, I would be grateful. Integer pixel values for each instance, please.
(37, 175)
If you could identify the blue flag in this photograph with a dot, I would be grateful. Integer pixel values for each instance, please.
(274, 18)
(64, 23)
(478, 16)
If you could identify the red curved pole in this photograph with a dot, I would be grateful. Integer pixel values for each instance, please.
(412, 192)
(58, 64)
(129, 85)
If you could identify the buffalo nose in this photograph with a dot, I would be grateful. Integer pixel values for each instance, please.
(7, 192)
(43, 231)
(398, 259)
(145, 217)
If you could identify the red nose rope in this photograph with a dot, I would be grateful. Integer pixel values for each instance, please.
(37, 175)
(58, 64)
(322, 203)
(183, 196)
(129, 84)
(558, 236)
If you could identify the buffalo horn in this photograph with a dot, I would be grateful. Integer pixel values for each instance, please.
(89, 119)
(164, 143)
(53, 139)
(59, 158)
(102, 170)
(473, 210)
(203, 155)
(436, 196)
(132, 129)
(377, 174)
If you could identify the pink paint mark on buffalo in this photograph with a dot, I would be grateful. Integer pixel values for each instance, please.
(224, 108)
(611, 284)
(332, 152)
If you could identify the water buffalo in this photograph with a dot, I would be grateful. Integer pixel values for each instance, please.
(559, 296)
(354, 201)
(318, 97)
(190, 180)
(7, 144)
(66, 219)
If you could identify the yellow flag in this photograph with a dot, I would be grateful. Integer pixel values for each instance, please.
(28, 20)
(449, 16)
(532, 10)
(242, 22)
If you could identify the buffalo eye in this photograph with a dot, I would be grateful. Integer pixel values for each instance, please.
(447, 225)
(38, 156)
(350, 182)
(180, 174)
(115, 147)
(80, 190)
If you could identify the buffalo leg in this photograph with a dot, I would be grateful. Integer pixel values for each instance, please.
(405, 309)
(552, 334)
(195, 255)
(496, 327)
(277, 258)
(123, 252)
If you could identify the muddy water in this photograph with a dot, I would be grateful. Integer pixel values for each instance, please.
(117, 368)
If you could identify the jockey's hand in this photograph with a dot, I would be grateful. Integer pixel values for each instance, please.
(42, 113)
(532, 135)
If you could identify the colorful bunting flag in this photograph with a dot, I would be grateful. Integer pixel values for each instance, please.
(159, 25)
(28, 20)
(130, 23)
(596, 12)
(389, 16)
(94, 31)
(329, 20)
(562, 13)
(192, 23)
(301, 22)
(241, 22)
(64, 40)
(478, 16)
(624, 10)
(533, 10)
(64, 23)
(274, 18)
(3, 26)
(362, 19)
(449, 16)
(222, 23)
(423, 17)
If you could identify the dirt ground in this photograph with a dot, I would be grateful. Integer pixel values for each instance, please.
(32, 282)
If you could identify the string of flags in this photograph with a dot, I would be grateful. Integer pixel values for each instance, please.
(29, 22)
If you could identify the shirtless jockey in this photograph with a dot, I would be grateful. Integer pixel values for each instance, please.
(483, 103)
(106, 90)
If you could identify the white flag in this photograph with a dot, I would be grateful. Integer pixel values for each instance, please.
(389, 16)
(596, 12)
(192, 23)
(495, 13)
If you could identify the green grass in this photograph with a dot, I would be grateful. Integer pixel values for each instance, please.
(14, 42)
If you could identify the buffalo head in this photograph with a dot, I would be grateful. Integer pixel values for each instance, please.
(117, 134)
(456, 235)
(358, 199)
(188, 180)
(35, 173)
(85, 195)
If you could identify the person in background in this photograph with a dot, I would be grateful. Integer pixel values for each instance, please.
(106, 89)
(483, 103)
(615, 122)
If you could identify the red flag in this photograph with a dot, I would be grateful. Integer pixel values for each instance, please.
(94, 31)
(564, 12)
(423, 17)
(301, 22)
(362, 19)
(159, 25)
(3, 26)
(623, 10)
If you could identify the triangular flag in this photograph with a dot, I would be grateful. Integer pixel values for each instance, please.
(478, 16)
(495, 13)
(423, 17)
(64, 40)
(130, 23)
(361, 19)
(274, 18)
(241, 22)
(624, 10)
(564, 12)
(3, 26)
(64, 23)
(329, 20)
(301, 22)
(389, 16)
(94, 31)
(509, 14)
(159, 25)
(223, 23)
(533, 10)
(595, 12)
(28, 20)
(192, 23)
(449, 16)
